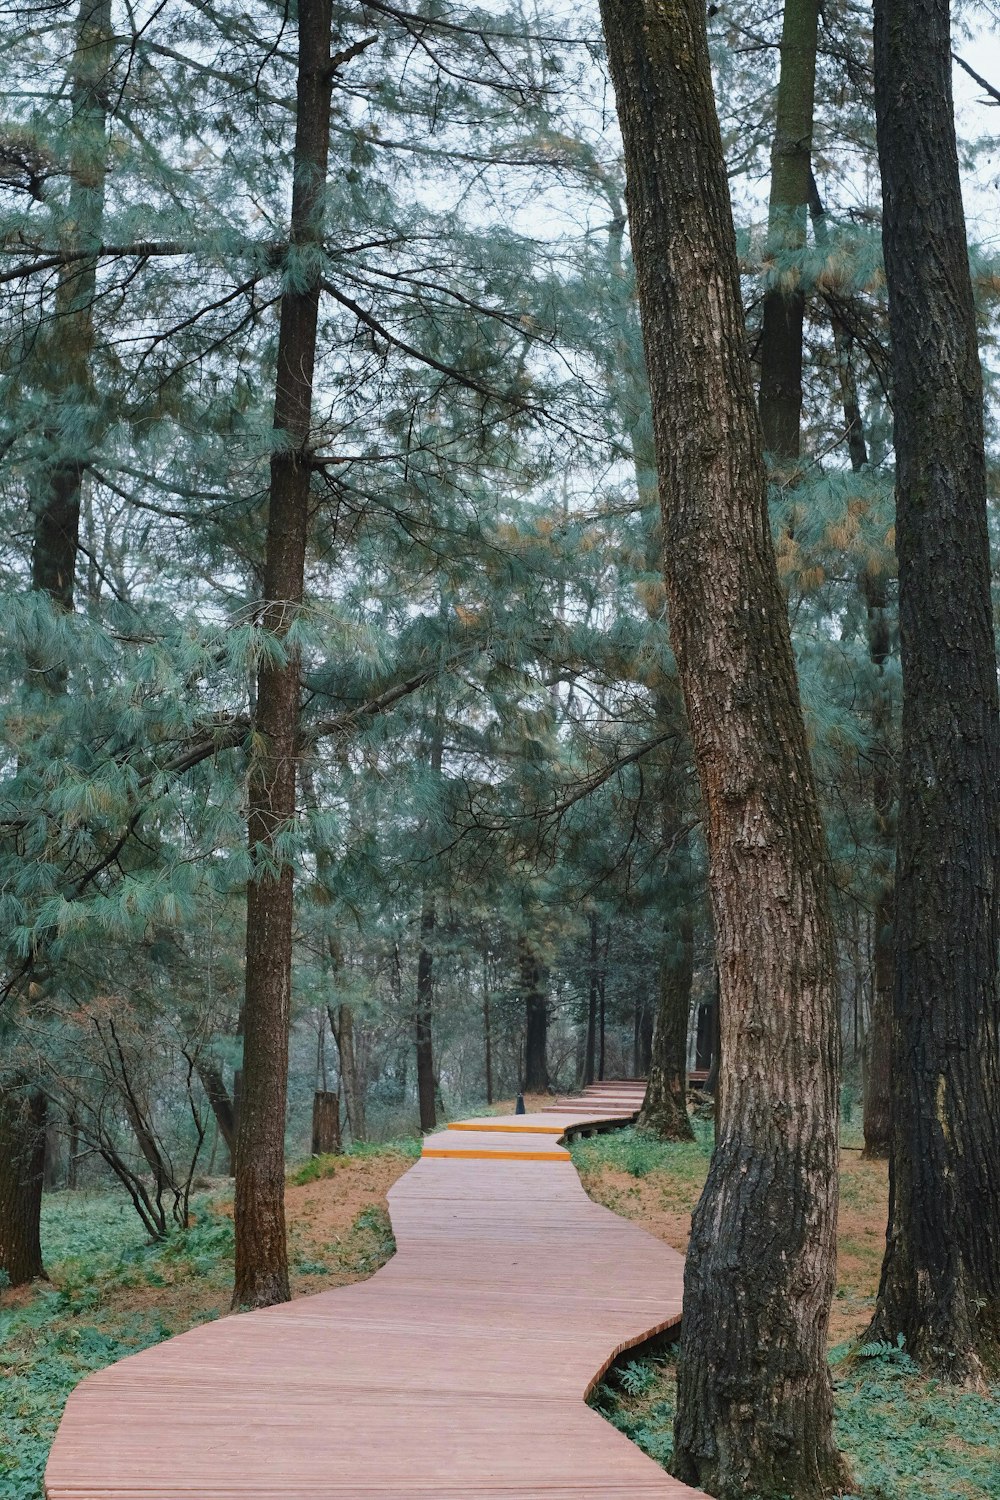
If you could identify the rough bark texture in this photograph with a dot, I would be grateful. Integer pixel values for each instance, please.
(664, 1109)
(754, 1395)
(780, 348)
(424, 1022)
(351, 1079)
(222, 1107)
(325, 1123)
(487, 1030)
(22, 1170)
(590, 1049)
(259, 1210)
(940, 1282)
(536, 1019)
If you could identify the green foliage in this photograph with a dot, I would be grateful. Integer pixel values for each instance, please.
(905, 1438)
(94, 1244)
(638, 1153)
(319, 1167)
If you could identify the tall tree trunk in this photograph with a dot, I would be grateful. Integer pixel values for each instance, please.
(602, 1022)
(68, 347)
(424, 1014)
(73, 1163)
(874, 590)
(877, 1107)
(487, 1030)
(940, 1283)
(424, 1020)
(351, 1081)
(22, 1169)
(664, 1109)
(754, 1394)
(70, 341)
(590, 1055)
(221, 1104)
(536, 1018)
(259, 1211)
(877, 1101)
(780, 349)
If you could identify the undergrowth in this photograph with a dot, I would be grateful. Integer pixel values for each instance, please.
(905, 1438)
(319, 1167)
(638, 1153)
(112, 1294)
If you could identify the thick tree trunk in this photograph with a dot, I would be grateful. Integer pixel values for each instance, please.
(22, 1169)
(424, 1021)
(664, 1109)
(780, 349)
(754, 1394)
(259, 1211)
(536, 1019)
(940, 1282)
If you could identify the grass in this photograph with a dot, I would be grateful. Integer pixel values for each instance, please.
(112, 1294)
(318, 1168)
(906, 1438)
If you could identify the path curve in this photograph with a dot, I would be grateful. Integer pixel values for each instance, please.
(457, 1372)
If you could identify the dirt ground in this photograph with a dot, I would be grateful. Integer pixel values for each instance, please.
(663, 1206)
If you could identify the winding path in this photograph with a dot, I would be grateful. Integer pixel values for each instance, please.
(457, 1372)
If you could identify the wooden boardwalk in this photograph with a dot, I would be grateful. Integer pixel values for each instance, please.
(457, 1372)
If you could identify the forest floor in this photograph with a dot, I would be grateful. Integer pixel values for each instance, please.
(905, 1438)
(111, 1293)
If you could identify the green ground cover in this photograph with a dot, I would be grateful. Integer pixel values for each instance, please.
(112, 1294)
(905, 1438)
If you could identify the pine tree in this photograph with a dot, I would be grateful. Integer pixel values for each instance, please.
(754, 1395)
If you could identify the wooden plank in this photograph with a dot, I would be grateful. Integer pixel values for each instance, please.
(457, 1372)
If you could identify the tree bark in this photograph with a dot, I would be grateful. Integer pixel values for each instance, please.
(351, 1082)
(664, 1109)
(590, 1054)
(940, 1283)
(487, 1029)
(69, 344)
(67, 358)
(754, 1394)
(325, 1123)
(221, 1104)
(424, 1021)
(877, 1102)
(259, 1210)
(780, 348)
(22, 1170)
(536, 1019)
